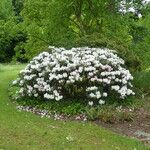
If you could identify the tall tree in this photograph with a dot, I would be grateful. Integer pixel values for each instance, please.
(64, 22)
(10, 33)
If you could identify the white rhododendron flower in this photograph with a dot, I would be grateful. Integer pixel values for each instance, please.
(14, 82)
(101, 102)
(91, 103)
(85, 73)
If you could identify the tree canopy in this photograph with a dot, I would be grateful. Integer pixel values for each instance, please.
(28, 27)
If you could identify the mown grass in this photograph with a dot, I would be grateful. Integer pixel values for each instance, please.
(26, 131)
(13, 67)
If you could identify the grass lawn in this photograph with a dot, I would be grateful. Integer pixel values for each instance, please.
(26, 131)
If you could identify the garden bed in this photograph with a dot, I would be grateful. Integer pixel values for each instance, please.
(130, 121)
(133, 122)
(138, 128)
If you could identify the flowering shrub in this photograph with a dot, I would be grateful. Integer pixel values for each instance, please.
(90, 74)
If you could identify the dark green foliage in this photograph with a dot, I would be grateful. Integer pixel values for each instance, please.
(142, 83)
(10, 32)
(17, 6)
(10, 36)
(142, 47)
(110, 114)
(66, 108)
(67, 23)
(83, 23)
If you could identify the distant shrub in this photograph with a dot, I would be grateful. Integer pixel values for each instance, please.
(87, 74)
(110, 114)
(142, 83)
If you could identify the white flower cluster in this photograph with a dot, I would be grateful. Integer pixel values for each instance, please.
(133, 7)
(86, 73)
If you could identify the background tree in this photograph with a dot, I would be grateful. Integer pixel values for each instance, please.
(29, 27)
(10, 33)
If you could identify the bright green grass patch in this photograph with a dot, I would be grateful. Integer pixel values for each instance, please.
(8, 67)
(26, 131)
